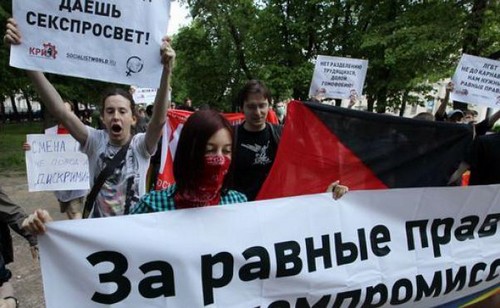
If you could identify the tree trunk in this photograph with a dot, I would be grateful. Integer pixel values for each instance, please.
(3, 118)
(471, 38)
(30, 108)
(403, 104)
(370, 102)
(381, 100)
(240, 53)
(473, 28)
(15, 115)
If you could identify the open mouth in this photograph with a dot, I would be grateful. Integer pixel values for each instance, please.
(115, 128)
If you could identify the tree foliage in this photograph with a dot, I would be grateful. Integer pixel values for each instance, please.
(407, 43)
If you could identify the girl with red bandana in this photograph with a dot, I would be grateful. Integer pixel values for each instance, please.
(201, 167)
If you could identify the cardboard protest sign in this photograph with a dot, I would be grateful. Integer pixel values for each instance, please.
(144, 95)
(55, 163)
(477, 81)
(419, 247)
(109, 40)
(336, 77)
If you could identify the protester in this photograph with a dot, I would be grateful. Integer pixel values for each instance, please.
(319, 96)
(464, 116)
(11, 215)
(70, 201)
(455, 116)
(470, 116)
(202, 168)
(142, 120)
(202, 171)
(280, 110)
(86, 117)
(426, 116)
(123, 157)
(440, 114)
(256, 141)
(353, 99)
(188, 105)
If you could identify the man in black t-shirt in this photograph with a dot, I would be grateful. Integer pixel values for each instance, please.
(255, 140)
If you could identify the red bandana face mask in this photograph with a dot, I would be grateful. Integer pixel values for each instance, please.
(208, 189)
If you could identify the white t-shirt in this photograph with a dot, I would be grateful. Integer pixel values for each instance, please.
(65, 195)
(111, 199)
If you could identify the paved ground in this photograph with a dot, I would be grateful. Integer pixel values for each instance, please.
(27, 279)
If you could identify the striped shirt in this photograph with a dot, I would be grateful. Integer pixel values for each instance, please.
(163, 200)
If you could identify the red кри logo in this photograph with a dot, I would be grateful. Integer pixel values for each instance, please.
(48, 51)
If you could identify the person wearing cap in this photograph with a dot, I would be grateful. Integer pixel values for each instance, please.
(470, 116)
(455, 116)
(319, 95)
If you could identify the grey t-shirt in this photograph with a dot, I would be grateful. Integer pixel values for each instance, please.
(129, 179)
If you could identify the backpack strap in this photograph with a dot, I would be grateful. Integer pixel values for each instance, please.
(236, 128)
(105, 173)
(276, 131)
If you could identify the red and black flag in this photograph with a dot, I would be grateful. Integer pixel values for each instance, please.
(321, 144)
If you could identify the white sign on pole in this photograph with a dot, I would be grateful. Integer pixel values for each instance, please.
(55, 163)
(144, 95)
(418, 247)
(109, 40)
(477, 81)
(336, 77)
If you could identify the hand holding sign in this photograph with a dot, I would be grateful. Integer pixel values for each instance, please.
(167, 54)
(12, 35)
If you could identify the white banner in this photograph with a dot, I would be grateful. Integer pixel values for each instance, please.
(56, 163)
(144, 95)
(477, 81)
(108, 40)
(337, 77)
(420, 247)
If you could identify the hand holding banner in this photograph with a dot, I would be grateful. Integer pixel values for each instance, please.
(419, 247)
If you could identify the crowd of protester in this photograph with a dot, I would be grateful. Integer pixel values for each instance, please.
(215, 163)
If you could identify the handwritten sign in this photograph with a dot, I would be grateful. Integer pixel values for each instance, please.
(144, 95)
(55, 163)
(477, 81)
(336, 77)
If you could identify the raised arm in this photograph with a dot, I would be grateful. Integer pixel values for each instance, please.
(54, 103)
(49, 95)
(161, 104)
(440, 112)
